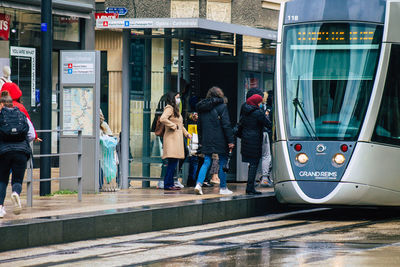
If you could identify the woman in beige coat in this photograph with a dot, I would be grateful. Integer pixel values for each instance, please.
(173, 149)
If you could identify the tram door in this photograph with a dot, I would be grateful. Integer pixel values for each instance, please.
(223, 73)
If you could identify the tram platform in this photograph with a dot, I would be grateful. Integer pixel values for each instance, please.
(61, 218)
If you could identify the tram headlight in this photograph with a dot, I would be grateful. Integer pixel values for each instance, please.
(302, 158)
(339, 159)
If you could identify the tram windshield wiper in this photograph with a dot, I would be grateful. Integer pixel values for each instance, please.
(298, 109)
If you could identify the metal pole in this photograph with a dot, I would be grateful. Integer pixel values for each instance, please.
(29, 186)
(45, 92)
(79, 165)
(186, 61)
(147, 108)
(179, 65)
(125, 110)
(167, 60)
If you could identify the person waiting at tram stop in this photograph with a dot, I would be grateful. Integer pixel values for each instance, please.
(254, 121)
(16, 94)
(173, 142)
(216, 135)
(15, 150)
(264, 168)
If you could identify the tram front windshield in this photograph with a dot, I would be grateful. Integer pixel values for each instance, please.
(329, 71)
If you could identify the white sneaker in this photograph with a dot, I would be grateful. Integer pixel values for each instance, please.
(17, 203)
(178, 184)
(225, 191)
(2, 212)
(198, 189)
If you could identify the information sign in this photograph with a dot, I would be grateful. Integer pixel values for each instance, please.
(29, 54)
(119, 10)
(78, 68)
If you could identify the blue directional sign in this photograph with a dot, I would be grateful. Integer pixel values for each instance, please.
(119, 10)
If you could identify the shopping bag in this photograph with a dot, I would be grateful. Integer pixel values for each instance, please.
(107, 162)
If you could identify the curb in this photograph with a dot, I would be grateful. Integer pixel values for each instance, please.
(84, 226)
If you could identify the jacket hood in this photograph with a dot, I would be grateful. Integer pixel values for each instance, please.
(247, 109)
(13, 89)
(208, 104)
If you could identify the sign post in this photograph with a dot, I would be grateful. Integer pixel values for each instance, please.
(80, 98)
(46, 81)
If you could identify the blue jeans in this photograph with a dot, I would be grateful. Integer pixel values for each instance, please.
(193, 165)
(169, 175)
(206, 165)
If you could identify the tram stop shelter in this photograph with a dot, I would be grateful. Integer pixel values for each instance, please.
(195, 54)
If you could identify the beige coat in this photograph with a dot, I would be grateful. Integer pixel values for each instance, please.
(173, 136)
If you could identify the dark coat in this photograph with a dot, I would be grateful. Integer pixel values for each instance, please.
(22, 146)
(214, 126)
(254, 121)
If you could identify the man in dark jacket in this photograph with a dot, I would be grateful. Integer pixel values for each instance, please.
(254, 121)
(216, 135)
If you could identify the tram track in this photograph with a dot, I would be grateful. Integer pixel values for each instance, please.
(213, 237)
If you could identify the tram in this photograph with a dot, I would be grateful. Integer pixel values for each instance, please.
(337, 103)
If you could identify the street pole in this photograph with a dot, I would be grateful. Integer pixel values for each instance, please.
(46, 48)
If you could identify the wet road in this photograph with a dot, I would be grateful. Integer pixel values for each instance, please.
(318, 237)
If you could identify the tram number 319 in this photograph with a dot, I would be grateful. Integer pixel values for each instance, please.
(293, 18)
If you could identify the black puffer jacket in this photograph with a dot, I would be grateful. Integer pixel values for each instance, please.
(254, 121)
(214, 126)
(22, 146)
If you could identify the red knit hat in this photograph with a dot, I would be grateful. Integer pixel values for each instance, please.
(13, 89)
(254, 100)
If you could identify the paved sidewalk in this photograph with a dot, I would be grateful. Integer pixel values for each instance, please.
(129, 198)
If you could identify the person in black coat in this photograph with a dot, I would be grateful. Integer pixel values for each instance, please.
(254, 121)
(13, 157)
(216, 135)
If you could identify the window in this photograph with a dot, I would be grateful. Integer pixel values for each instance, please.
(137, 66)
(387, 129)
(329, 71)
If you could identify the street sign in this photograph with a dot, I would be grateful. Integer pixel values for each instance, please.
(119, 10)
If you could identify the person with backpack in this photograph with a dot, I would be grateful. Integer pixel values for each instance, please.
(253, 122)
(16, 131)
(216, 135)
(16, 93)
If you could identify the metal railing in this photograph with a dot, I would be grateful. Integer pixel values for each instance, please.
(30, 179)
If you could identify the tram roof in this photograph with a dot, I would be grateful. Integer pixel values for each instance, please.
(196, 26)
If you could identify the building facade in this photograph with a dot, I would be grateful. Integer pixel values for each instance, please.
(73, 29)
(192, 58)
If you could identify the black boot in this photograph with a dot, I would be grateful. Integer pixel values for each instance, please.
(250, 180)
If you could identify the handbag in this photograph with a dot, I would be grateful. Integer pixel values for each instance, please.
(227, 165)
(160, 128)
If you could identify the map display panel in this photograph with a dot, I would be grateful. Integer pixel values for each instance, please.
(78, 110)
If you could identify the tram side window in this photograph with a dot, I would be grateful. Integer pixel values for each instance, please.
(387, 129)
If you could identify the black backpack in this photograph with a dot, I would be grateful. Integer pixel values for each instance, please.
(13, 125)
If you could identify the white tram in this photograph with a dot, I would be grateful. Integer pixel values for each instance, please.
(337, 103)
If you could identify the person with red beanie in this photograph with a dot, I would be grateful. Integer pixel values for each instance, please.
(16, 94)
(254, 120)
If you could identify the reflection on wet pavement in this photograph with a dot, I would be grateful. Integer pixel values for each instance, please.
(315, 237)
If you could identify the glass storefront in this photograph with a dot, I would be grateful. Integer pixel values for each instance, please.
(209, 65)
(22, 53)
